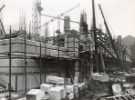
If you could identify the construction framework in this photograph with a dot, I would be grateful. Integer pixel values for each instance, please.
(33, 60)
(21, 56)
(18, 53)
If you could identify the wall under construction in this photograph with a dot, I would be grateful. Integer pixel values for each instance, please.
(31, 61)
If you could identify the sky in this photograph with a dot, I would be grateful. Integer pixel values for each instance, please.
(120, 14)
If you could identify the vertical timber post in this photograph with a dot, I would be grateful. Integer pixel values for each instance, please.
(65, 76)
(74, 45)
(76, 72)
(25, 60)
(45, 55)
(95, 35)
(10, 62)
(76, 78)
(90, 62)
(58, 46)
(40, 64)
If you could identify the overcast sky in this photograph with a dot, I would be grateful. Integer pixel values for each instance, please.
(120, 14)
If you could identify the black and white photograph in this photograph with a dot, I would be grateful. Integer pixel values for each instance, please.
(67, 49)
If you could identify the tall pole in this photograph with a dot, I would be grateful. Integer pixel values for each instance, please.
(108, 31)
(94, 18)
(40, 63)
(10, 62)
(95, 35)
(25, 60)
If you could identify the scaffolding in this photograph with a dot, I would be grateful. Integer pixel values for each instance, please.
(22, 56)
(17, 55)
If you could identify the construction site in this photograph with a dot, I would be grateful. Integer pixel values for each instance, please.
(88, 64)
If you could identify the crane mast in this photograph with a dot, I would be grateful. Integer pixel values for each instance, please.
(95, 35)
(109, 33)
(36, 21)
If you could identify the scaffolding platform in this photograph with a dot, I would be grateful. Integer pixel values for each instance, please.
(19, 47)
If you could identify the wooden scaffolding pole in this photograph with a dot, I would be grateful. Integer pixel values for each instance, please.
(10, 65)
(25, 60)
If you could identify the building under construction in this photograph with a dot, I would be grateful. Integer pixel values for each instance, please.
(27, 59)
